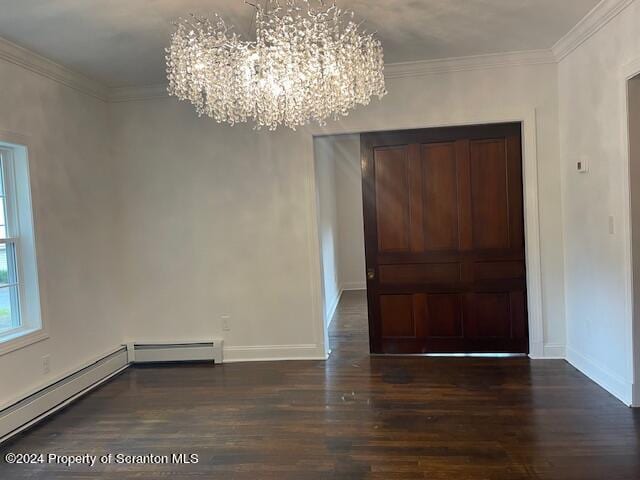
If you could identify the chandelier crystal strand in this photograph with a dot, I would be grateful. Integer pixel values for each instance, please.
(309, 62)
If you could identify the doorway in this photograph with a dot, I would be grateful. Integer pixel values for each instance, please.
(633, 108)
(445, 241)
(340, 225)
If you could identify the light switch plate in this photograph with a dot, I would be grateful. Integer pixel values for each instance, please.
(582, 165)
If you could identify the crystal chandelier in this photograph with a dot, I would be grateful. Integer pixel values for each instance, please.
(309, 62)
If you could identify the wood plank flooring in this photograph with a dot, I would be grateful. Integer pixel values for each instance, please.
(352, 417)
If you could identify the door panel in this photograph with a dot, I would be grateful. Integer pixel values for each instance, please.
(489, 194)
(392, 191)
(440, 208)
(444, 234)
(397, 316)
(488, 315)
(419, 273)
(443, 316)
(498, 270)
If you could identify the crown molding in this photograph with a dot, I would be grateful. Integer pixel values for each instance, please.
(392, 70)
(462, 64)
(17, 55)
(598, 17)
(132, 94)
(38, 64)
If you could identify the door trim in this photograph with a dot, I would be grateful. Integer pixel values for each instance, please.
(528, 120)
(630, 395)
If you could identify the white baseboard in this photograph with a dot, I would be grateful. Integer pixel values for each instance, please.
(354, 286)
(600, 374)
(636, 395)
(554, 351)
(272, 353)
(536, 351)
(51, 398)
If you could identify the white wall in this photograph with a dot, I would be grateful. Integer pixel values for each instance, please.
(325, 171)
(592, 123)
(222, 220)
(217, 221)
(351, 260)
(73, 193)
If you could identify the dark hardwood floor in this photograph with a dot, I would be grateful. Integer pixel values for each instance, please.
(352, 417)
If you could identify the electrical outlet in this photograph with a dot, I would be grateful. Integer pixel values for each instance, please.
(225, 321)
(46, 364)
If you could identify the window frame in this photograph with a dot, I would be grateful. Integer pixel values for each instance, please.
(19, 221)
(11, 241)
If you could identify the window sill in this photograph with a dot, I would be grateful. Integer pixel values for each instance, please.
(18, 339)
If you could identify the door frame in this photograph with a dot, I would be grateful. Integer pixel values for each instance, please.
(627, 73)
(528, 120)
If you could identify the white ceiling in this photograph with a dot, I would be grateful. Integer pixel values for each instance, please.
(121, 42)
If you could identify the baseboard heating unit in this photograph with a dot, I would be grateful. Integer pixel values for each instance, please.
(36, 406)
(24, 412)
(175, 352)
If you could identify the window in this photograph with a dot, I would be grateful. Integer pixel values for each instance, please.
(9, 282)
(20, 322)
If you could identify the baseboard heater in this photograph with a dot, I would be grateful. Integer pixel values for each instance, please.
(46, 401)
(175, 352)
(38, 405)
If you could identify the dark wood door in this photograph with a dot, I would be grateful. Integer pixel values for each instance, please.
(444, 235)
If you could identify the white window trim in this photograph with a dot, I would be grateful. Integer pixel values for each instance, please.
(33, 328)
